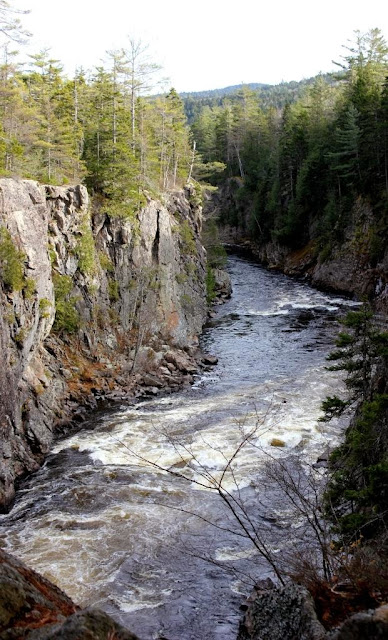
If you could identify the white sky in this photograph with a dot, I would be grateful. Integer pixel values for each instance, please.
(206, 44)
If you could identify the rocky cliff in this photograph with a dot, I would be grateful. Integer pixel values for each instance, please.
(91, 307)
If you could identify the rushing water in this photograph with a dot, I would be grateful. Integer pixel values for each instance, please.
(115, 532)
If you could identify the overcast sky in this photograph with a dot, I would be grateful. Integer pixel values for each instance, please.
(206, 44)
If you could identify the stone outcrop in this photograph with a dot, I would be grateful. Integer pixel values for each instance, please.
(280, 613)
(101, 303)
(32, 607)
(288, 613)
(367, 625)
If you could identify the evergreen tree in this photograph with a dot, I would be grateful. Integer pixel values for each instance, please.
(357, 493)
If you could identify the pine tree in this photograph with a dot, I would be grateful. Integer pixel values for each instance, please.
(357, 493)
(359, 349)
(58, 152)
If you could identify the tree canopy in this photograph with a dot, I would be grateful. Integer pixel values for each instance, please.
(298, 168)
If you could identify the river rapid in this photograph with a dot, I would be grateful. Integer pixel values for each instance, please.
(121, 534)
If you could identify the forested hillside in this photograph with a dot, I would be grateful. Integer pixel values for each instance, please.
(94, 127)
(298, 173)
(276, 96)
(301, 154)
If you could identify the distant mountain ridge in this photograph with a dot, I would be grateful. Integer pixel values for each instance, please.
(224, 91)
(270, 95)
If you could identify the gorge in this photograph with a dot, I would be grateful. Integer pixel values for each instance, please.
(123, 294)
(160, 453)
(117, 533)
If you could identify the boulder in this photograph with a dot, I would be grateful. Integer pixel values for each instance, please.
(208, 359)
(280, 613)
(223, 285)
(369, 625)
(180, 361)
(85, 625)
(32, 607)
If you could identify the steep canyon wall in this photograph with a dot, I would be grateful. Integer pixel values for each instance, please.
(91, 307)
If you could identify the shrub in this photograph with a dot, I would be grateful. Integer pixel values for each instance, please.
(191, 269)
(20, 337)
(186, 301)
(62, 286)
(195, 193)
(92, 289)
(66, 315)
(105, 262)
(44, 305)
(210, 282)
(52, 254)
(216, 254)
(85, 250)
(187, 238)
(113, 290)
(29, 288)
(181, 278)
(11, 262)
(325, 253)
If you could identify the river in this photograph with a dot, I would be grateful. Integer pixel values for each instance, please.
(152, 548)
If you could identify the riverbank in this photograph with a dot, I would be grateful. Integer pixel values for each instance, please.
(356, 265)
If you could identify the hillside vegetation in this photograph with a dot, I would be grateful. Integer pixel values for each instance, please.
(312, 169)
(95, 128)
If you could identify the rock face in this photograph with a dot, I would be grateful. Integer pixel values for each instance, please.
(281, 613)
(94, 304)
(32, 607)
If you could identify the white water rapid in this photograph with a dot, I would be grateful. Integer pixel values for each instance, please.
(116, 532)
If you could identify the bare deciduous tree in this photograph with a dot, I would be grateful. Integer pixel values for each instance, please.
(299, 487)
(10, 25)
